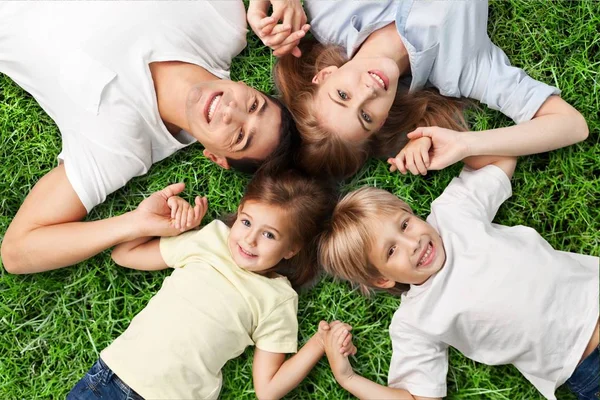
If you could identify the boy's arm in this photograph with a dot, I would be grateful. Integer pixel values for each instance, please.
(274, 376)
(142, 253)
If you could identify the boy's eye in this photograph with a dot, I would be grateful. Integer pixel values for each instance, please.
(254, 106)
(366, 117)
(245, 222)
(391, 251)
(240, 137)
(404, 225)
(343, 95)
(268, 235)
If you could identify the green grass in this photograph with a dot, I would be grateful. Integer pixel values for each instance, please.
(53, 325)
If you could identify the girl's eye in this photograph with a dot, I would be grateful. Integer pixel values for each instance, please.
(391, 251)
(343, 95)
(268, 235)
(366, 117)
(404, 225)
(240, 137)
(254, 106)
(245, 222)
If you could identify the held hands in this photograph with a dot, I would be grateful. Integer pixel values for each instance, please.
(160, 216)
(282, 37)
(337, 341)
(444, 148)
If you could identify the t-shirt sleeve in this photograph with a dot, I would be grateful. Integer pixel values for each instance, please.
(490, 78)
(478, 192)
(277, 332)
(176, 249)
(418, 364)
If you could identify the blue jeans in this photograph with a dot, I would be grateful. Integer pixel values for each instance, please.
(585, 381)
(101, 382)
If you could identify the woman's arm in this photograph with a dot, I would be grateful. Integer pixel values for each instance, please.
(274, 376)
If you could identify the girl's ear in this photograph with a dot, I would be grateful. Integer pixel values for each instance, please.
(384, 283)
(291, 253)
(323, 74)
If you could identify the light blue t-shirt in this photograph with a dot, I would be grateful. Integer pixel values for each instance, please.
(447, 44)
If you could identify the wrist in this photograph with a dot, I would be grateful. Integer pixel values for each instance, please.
(134, 224)
(318, 343)
(469, 144)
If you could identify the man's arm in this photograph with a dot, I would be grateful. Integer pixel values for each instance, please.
(47, 234)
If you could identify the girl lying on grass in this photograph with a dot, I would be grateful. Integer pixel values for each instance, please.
(498, 294)
(232, 287)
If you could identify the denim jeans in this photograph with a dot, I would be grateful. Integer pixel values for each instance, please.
(101, 382)
(585, 381)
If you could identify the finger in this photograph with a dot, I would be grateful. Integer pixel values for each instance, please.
(392, 162)
(347, 341)
(354, 350)
(323, 325)
(425, 156)
(191, 216)
(173, 189)
(419, 132)
(400, 163)
(420, 164)
(268, 22)
(172, 203)
(292, 39)
(178, 216)
(341, 337)
(296, 52)
(410, 164)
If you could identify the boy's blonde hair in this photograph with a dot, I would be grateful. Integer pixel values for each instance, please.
(345, 244)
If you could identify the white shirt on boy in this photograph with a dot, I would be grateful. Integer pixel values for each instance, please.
(503, 296)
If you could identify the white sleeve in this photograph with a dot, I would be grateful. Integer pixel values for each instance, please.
(491, 79)
(477, 192)
(418, 364)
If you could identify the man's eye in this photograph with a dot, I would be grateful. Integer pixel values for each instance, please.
(254, 106)
(366, 117)
(391, 251)
(245, 222)
(343, 95)
(240, 137)
(269, 235)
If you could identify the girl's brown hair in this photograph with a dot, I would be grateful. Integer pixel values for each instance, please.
(308, 203)
(345, 243)
(323, 151)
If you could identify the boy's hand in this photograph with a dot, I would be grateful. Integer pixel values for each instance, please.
(448, 146)
(282, 38)
(185, 217)
(346, 348)
(338, 360)
(413, 157)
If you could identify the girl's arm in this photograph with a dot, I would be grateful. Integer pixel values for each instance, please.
(142, 253)
(274, 376)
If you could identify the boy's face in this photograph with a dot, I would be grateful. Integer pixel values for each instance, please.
(405, 249)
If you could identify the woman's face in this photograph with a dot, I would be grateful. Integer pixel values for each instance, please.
(354, 100)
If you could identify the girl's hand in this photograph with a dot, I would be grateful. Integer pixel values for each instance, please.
(414, 157)
(347, 348)
(185, 217)
(338, 360)
(448, 146)
(282, 38)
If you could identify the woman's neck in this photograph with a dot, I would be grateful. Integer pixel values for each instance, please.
(386, 42)
(173, 81)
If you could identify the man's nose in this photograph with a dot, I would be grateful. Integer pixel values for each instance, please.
(233, 113)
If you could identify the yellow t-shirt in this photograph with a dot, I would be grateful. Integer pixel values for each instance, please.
(206, 313)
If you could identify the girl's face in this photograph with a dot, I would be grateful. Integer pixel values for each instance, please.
(260, 237)
(354, 100)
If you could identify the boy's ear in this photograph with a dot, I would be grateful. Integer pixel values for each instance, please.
(323, 74)
(384, 283)
(219, 160)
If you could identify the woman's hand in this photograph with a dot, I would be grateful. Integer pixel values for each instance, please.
(282, 38)
(185, 217)
(413, 157)
(335, 339)
(448, 146)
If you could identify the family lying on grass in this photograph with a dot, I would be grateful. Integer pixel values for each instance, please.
(382, 69)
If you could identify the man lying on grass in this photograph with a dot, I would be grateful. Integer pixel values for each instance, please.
(127, 84)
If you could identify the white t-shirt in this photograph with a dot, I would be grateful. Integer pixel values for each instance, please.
(206, 313)
(87, 64)
(504, 296)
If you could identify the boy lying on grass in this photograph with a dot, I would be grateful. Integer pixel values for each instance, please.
(498, 294)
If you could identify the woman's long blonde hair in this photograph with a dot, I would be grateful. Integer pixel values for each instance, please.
(323, 151)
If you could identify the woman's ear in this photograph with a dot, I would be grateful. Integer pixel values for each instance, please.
(384, 283)
(323, 74)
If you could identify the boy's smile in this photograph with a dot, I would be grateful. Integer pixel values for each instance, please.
(405, 249)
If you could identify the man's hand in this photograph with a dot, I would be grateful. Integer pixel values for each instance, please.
(448, 146)
(413, 157)
(282, 37)
(154, 213)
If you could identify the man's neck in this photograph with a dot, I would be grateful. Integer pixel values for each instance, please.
(386, 42)
(172, 83)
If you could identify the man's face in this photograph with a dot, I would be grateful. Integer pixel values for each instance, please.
(233, 120)
(406, 249)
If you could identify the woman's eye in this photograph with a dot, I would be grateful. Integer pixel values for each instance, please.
(343, 95)
(366, 117)
(269, 235)
(240, 137)
(254, 106)
(391, 251)
(245, 222)
(404, 225)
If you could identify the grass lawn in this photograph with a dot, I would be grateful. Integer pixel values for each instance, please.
(53, 325)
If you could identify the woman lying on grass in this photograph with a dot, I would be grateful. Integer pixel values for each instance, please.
(499, 295)
(350, 100)
(232, 287)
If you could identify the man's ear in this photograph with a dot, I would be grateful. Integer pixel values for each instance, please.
(384, 283)
(323, 74)
(219, 160)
